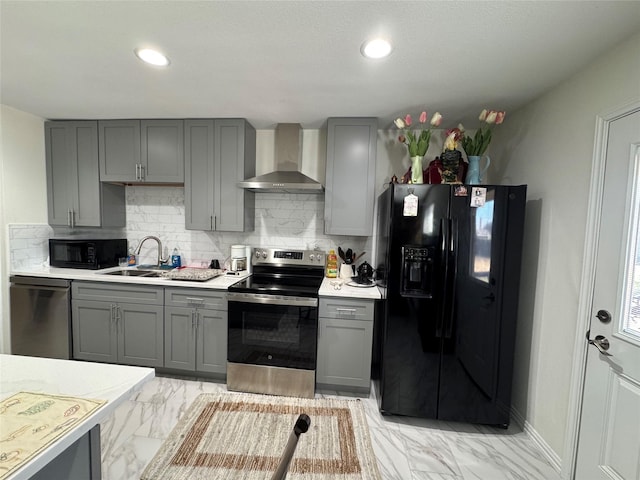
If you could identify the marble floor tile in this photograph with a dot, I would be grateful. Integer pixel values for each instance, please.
(406, 448)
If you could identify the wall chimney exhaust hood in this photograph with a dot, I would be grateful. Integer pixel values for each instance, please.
(287, 178)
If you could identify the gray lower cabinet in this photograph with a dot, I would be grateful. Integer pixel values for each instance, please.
(118, 323)
(218, 155)
(345, 342)
(80, 461)
(196, 330)
(350, 176)
(75, 196)
(137, 151)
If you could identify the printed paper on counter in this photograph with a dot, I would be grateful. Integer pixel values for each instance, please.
(410, 206)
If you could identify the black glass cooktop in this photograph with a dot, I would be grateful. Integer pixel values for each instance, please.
(293, 282)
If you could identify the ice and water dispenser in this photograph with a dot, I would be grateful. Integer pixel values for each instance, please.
(417, 271)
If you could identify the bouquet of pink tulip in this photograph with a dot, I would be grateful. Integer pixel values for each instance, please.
(479, 143)
(417, 144)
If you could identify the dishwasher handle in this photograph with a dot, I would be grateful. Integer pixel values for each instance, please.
(18, 286)
(18, 280)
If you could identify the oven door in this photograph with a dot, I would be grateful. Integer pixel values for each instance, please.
(272, 330)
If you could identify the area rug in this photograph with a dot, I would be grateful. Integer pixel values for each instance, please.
(242, 436)
(29, 422)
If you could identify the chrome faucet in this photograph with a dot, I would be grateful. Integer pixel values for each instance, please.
(160, 259)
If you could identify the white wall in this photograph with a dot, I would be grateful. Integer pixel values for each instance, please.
(23, 189)
(549, 146)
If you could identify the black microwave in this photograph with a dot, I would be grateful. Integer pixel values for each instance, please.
(89, 254)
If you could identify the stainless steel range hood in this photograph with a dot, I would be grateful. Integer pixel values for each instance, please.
(287, 178)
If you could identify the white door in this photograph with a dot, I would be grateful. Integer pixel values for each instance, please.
(609, 438)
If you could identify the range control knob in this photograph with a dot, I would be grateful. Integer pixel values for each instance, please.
(257, 253)
(264, 254)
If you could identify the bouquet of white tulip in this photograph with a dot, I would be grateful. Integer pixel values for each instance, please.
(477, 145)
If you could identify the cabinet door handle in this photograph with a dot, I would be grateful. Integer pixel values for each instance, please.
(137, 171)
(195, 300)
(349, 311)
(73, 218)
(68, 217)
(114, 314)
(215, 222)
(142, 173)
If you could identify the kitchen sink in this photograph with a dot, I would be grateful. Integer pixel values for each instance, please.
(162, 268)
(134, 273)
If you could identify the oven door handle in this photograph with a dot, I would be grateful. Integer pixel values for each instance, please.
(272, 299)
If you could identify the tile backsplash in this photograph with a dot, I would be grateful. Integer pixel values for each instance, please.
(29, 245)
(282, 220)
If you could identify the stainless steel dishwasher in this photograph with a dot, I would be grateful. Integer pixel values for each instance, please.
(40, 317)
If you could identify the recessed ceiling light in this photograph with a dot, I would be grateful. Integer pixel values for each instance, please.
(376, 48)
(152, 57)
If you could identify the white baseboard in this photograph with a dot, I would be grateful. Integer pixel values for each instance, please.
(553, 458)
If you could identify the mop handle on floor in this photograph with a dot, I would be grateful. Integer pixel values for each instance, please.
(301, 426)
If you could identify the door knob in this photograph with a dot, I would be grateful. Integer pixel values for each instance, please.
(603, 316)
(601, 343)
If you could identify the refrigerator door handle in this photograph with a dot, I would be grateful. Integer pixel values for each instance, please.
(453, 259)
(444, 264)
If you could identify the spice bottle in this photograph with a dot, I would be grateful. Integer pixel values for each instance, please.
(332, 264)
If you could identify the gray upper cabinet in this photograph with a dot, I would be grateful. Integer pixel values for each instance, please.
(119, 150)
(350, 176)
(218, 155)
(136, 151)
(75, 196)
(162, 150)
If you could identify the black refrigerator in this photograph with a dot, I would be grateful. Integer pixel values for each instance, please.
(448, 267)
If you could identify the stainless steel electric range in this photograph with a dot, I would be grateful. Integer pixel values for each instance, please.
(273, 324)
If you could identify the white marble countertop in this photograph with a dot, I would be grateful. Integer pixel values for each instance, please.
(336, 287)
(221, 283)
(113, 383)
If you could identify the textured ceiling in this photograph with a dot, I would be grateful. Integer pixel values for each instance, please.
(296, 61)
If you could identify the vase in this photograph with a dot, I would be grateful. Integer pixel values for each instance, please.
(416, 169)
(474, 174)
(450, 166)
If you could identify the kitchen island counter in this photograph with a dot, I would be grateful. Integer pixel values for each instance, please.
(112, 383)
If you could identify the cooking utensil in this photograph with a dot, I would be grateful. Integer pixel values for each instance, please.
(348, 256)
(341, 254)
(355, 259)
